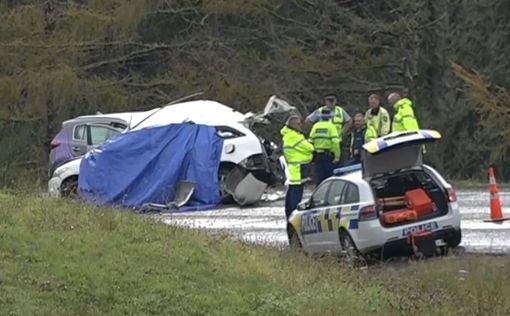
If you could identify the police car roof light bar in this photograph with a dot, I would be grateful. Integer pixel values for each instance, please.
(348, 169)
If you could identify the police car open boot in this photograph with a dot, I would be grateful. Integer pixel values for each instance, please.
(409, 196)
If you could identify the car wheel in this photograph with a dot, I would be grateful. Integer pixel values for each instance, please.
(69, 188)
(349, 251)
(455, 240)
(294, 242)
(225, 197)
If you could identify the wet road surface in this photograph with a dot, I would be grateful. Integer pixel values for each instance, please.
(265, 224)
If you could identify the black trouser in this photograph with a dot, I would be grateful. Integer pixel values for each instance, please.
(344, 153)
(353, 161)
(323, 166)
(293, 198)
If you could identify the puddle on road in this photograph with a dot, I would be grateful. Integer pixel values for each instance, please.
(266, 225)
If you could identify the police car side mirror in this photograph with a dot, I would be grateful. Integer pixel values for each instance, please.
(303, 206)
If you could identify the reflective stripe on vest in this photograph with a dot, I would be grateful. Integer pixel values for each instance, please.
(295, 173)
(338, 118)
(294, 147)
(298, 162)
(401, 118)
(323, 135)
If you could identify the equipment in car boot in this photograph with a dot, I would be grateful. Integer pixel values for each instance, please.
(398, 216)
(419, 201)
(398, 201)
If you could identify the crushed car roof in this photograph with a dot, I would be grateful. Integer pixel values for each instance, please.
(200, 112)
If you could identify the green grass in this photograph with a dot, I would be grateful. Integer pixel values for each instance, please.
(63, 258)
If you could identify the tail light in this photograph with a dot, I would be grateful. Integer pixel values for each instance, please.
(452, 197)
(368, 213)
(54, 145)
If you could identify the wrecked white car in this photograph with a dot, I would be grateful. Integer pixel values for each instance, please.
(248, 165)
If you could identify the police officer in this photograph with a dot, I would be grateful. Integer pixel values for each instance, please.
(325, 139)
(404, 118)
(362, 133)
(298, 153)
(341, 118)
(377, 116)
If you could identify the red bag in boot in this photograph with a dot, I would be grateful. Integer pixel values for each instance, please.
(419, 201)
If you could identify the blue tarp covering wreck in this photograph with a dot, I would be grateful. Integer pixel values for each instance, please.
(145, 166)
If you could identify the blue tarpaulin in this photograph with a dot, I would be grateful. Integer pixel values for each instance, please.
(144, 166)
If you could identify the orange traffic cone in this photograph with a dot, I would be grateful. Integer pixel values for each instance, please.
(496, 213)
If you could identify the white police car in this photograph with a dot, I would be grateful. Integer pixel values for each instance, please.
(347, 213)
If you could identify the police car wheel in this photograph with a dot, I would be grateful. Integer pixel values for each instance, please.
(294, 241)
(455, 240)
(348, 248)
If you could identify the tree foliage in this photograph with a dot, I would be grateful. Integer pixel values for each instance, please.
(60, 59)
(492, 104)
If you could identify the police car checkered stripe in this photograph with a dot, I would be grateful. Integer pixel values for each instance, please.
(314, 222)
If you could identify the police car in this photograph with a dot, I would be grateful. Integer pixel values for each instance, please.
(352, 213)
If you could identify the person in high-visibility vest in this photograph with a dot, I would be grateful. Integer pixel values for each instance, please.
(340, 117)
(362, 133)
(298, 153)
(324, 137)
(404, 118)
(377, 116)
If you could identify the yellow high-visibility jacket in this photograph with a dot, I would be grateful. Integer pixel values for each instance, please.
(404, 119)
(298, 152)
(324, 137)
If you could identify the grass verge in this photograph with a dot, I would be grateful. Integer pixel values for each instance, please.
(63, 258)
